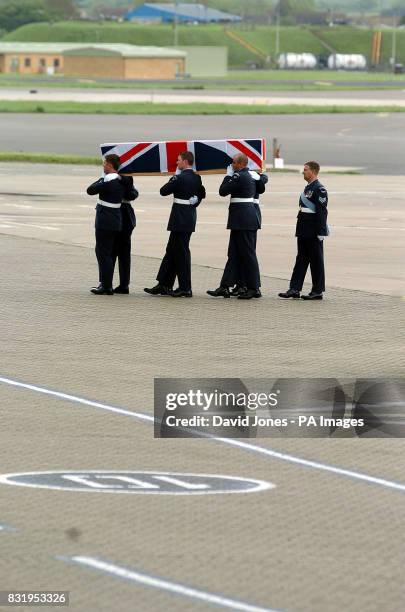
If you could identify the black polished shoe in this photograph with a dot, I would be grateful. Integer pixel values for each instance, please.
(181, 293)
(236, 290)
(291, 293)
(100, 290)
(220, 292)
(122, 290)
(158, 290)
(248, 294)
(312, 296)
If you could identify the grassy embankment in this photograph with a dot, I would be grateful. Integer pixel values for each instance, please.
(292, 39)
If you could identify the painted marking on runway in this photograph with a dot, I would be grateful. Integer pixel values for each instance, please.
(136, 482)
(4, 527)
(162, 584)
(47, 227)
(267, 452)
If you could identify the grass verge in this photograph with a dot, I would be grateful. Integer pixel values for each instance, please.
(147, 108)
(49, 158)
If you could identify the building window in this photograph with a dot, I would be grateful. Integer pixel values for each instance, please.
(56, 62)
(42, 62)
(27, 62)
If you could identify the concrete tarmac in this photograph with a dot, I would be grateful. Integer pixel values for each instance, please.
(325, 538)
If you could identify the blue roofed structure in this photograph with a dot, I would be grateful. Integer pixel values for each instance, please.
(187, 13)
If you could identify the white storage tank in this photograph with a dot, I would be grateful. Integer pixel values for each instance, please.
(303, 61)
(342, 61)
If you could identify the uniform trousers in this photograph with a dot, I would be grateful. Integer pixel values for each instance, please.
(122, 251)
(242, 267)
(105, 244)
(176, 262)
(310, 253)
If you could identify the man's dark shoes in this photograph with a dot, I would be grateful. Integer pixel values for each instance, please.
(181, 293)
(248, 294)
(158, 290)
(236, 290)
(122, 290)
(291, 293)
(100, 290)
(220, 292)
(312, 296)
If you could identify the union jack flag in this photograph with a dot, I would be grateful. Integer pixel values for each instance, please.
(210, 155)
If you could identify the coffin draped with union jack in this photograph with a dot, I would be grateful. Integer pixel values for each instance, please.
(211, 156)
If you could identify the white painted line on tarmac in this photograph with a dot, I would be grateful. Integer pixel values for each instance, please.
(47, 227)
(162, 584)
(4, 527)
(375, 480)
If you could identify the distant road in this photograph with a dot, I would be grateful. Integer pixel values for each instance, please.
(370, 98)
(375, 142)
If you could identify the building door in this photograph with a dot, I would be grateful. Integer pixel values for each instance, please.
(15, 64)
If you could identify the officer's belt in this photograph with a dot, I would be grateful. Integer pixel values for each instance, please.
(109, 204)
(180, 201)
(240, 200)
(256, 201)
(306, 210)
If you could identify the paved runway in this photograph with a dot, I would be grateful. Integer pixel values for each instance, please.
(371, 99)
(375, 142)
(393, 97)
(324, 532)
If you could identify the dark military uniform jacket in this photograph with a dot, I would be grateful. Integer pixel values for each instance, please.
(127, 212)
(183, 186)
(261, 182)
(242, 189)
(110, 192)
(313, 213)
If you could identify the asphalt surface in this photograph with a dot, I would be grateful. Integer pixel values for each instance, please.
(374, 142)
(326, 537)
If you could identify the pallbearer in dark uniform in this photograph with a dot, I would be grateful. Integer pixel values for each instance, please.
(122, 249)
(311, 231)
(243, 222)
(108, 221)
(261, 181)
(188, 191)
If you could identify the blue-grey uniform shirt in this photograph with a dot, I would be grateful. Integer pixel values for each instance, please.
(313, 212)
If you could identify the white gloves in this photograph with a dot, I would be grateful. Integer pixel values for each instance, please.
(254, 175)
(230, 171)
(193, 200)
(111, 176)
(321, 238)
(178, 171)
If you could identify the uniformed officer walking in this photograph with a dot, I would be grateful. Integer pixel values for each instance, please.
(108, 220)
(122, 246)
(188, 191)
(243, 221)
(231, 266)
(311, 230)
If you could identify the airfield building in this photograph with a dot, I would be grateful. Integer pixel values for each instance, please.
(110, 61)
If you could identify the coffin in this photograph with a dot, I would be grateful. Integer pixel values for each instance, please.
(211, 156)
